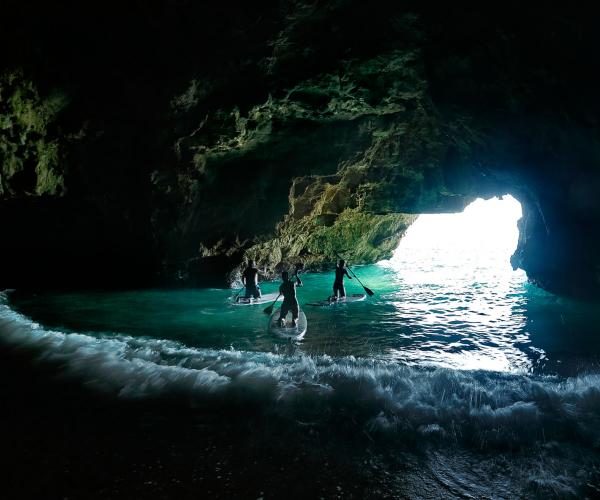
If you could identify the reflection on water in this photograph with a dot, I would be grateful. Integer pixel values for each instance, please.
(447, 298)
(519, 358)
(458, 292)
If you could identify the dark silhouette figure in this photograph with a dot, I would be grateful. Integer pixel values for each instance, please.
(250, 281)
(338, 284)
(290, 302)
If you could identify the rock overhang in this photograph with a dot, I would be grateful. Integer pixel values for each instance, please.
(325, 125)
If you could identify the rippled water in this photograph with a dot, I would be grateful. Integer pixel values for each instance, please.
(504, 324)
(448, 298)
(454, 347)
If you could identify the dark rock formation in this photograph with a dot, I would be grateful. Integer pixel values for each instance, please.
(163, 143)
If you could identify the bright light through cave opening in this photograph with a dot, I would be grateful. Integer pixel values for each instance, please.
(455, 280)
(475, 244)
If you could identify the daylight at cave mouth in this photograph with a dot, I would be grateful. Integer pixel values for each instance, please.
(163, 165)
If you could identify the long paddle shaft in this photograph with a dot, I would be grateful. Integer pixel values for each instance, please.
(367, 289)
(238, 294)
(269, 310)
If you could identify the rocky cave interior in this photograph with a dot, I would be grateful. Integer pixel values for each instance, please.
(164, 143)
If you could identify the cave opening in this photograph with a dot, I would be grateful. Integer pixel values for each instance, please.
(475, 244)
(457, 289)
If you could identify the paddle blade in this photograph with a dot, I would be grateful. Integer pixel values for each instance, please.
(370, 292)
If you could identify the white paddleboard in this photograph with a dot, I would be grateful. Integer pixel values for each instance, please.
(266, 297)
(288, 331)
(348, 299)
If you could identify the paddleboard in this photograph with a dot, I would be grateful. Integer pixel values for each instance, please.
(348, 299)
(266, 297)
(288, 331)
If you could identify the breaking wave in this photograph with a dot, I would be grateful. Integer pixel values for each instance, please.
(478, 408)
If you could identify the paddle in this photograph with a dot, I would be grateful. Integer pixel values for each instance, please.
(370, 292)
(238, 294)
(269, 310)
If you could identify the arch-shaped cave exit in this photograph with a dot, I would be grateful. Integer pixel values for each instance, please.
(475, 244)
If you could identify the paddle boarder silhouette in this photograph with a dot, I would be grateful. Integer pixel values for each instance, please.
(290, 301)
(339, 291)
(250, 281)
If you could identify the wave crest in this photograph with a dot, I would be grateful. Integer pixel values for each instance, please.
(483, 409)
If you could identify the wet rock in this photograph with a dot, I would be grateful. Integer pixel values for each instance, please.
(196, 138)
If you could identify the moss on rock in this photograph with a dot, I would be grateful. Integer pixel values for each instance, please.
(327, 217)
(31, 159)
(359, 112)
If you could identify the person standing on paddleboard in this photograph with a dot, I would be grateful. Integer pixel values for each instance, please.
(250, 281)
(338, 284)
(290, 301)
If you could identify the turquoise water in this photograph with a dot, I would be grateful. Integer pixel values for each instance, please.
(448, 298)
(455, 351)
(507, 326)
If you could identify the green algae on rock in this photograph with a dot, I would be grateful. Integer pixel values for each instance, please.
(290, 128)
(31, 159)
(361, 237)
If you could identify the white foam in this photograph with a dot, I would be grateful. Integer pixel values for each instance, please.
(481, 407)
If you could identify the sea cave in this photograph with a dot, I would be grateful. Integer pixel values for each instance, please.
(299, 249)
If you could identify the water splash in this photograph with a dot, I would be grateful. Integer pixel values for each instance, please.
(477, 408)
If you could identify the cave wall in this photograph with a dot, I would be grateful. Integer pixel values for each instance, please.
(163, 143)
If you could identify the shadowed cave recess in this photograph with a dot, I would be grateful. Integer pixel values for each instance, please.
(163, 143)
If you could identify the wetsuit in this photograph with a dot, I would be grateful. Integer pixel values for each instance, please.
(250, 280)
(338, 284)
(290, 302)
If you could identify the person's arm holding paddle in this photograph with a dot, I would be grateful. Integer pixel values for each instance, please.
(339, 291)
(237, 295)
(368, 291)
(283, 290)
